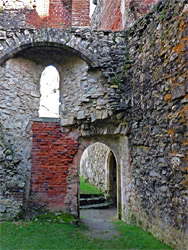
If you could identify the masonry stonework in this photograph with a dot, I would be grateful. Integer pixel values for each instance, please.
(157, 71)
(45, 13)
(126, 89)
(119, 14)
(90, 97)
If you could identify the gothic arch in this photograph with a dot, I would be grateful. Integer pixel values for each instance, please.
(111, 143)
(111, 177)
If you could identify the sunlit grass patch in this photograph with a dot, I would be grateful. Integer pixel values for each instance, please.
(86, 188)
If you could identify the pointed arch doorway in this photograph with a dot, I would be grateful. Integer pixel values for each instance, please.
(99, 166)
(112, 178)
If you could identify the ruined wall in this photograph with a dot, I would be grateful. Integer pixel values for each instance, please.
(12, 179)
(85, 96)
(50, 13)
(93, 165)
(87, 101)
(52, 155)
(158, 47)
(18, 104)
(145, 101)
(80, 12)
(120, 14)
(44, 13)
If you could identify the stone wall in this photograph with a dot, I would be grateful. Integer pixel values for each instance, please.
(128, 85)
(93, 165)
(18, 105)
(89, 94)
(119, 14)
(85, 96)
(13, 177)
(158, 76)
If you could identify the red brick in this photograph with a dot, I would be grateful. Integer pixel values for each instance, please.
(50, 160)
(112, 17)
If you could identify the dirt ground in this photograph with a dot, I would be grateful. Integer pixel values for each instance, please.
(100, 222)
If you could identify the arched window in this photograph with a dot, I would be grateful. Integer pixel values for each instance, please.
(49, 93)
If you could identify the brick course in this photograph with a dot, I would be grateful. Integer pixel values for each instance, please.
(59, 15)
(80, 12)
(52, 153)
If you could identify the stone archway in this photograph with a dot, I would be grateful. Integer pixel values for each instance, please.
(99, 167)
(111, 178)
(87, 44)
(116, 143)
(25, 63)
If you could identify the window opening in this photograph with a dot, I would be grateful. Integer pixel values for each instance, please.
(92, 6)
(43, 8)
(49, 93)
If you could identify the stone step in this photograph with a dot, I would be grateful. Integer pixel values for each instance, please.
(90, 195)
(92, 200)
(96, 206)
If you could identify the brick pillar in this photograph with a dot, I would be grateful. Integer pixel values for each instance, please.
(80, 12)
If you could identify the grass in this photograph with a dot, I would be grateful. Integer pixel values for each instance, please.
(40, 235)
(43, 235)
(58, 231)
(86, 188)
(136, 238)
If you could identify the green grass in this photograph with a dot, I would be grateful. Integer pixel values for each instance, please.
(40, 235)
(43, 235)
(86, 188)
(136, 238)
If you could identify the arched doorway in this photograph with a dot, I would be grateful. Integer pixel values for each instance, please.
(99, 167)
(112, 178)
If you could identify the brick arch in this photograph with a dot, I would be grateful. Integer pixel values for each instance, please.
(52, 38)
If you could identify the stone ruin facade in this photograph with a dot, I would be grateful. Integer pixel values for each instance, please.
(126, 89)
(120, 14)
(44, 13)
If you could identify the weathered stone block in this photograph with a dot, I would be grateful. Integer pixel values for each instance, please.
(2, 35)
(178, 91)
(81, 115)
(2, 209)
